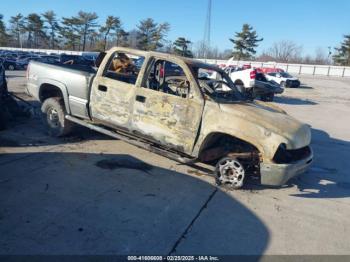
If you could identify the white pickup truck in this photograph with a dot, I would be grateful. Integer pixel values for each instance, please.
(253, 83)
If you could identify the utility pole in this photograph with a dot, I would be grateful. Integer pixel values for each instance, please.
(207, 29)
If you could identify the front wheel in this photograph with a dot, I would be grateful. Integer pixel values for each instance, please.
(268, 97)
(229, 173)
(54, 117)
(11, 67)
(283, 84)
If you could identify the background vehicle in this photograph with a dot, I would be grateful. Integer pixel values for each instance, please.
(9, 64)
(254, 84)
(2, 76)
(284, 79)
(75, 59)
(181, 114)
(23, 63)
(266, 70)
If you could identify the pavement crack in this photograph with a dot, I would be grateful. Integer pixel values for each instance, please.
(183, 235)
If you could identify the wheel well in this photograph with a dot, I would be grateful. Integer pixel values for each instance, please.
(218, 145)
(48, 90)
(239, 82)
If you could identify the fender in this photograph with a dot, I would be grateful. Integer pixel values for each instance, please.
(60, 86)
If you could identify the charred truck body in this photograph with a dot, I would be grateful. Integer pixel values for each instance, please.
(168, 105)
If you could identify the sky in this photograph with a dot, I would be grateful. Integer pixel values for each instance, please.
(310, 23)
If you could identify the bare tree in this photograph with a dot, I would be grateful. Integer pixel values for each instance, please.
(320, 56)
(285, 51)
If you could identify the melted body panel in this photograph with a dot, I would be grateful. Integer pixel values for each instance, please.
(171, 120)
(112, 104)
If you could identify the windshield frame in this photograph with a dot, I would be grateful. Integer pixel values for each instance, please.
(237, 96)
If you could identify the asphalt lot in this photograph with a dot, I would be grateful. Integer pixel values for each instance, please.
(90, 194)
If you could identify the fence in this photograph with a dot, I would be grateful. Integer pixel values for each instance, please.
(323, 70)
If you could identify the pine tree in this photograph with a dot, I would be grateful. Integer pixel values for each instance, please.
(70, 32)
(245, 43)
(87, 21)
(343, 52)
(51, 20)
(17, 28)
(112, 24)
(151, 34)
(4, 37)
(122, 38)
(35, 29)
(181, 47)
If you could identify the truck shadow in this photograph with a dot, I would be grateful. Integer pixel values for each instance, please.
(303, 86)
(292, 101)
(30, 131)
(84, 203)
(328, 177)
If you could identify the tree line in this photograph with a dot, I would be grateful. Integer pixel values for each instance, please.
(82, 32)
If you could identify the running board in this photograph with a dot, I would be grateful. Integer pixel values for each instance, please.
(135, 142)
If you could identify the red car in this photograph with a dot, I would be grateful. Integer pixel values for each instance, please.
(266, 70)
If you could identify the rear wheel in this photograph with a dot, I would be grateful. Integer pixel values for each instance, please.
(229, 173)
(54, 117)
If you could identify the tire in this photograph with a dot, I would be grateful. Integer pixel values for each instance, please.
(240, 85)
(54, 117)
(229, 173)
(11, 67)
(283, 84)
(267, 97)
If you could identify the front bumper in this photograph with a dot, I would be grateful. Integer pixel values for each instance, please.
(278, 174)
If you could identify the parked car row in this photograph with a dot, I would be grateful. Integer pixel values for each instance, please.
(19, 60)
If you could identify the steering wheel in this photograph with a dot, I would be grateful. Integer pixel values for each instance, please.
(178, 82)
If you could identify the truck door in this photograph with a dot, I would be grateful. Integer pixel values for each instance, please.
(113, 90)
(168, 106)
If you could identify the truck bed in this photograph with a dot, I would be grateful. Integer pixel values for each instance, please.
(73, 81)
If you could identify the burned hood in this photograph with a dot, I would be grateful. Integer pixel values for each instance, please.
(270, 120)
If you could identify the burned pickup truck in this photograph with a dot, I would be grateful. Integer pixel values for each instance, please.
(168, 105)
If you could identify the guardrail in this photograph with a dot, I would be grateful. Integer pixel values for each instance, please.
(323, 70)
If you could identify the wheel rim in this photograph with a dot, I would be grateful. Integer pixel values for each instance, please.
(11, 67)
(231, 172)
(53, 118)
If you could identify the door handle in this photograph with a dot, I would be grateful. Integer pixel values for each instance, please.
(140, 99)
(102, 88)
